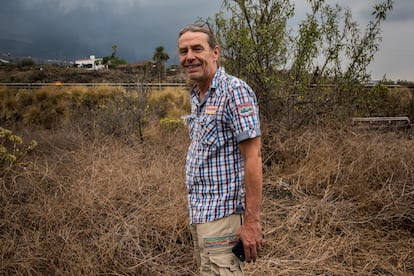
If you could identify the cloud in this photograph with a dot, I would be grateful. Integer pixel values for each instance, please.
(70, 28)
(69, 6)
(73, 29)
(402, 12)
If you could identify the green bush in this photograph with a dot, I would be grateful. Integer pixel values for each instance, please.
(26, 62)
(171, 123)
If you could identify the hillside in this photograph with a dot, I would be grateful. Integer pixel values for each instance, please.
(54, 73)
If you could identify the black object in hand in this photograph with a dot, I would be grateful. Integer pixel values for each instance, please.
(238, 250)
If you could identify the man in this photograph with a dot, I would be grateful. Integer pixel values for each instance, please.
(224, 166)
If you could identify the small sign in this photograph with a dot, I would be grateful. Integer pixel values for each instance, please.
(245, 109)
(211, 110)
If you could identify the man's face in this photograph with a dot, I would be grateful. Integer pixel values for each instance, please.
(196, 57)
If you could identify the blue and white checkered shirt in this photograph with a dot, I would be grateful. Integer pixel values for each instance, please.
(227, 115)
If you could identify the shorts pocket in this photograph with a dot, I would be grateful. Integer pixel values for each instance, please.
(225, 264)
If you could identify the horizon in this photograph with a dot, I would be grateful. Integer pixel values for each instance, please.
(72, 62)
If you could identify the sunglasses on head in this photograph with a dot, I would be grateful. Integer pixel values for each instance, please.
(199, 24)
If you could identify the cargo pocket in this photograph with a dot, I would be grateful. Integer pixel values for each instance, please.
(225, 264)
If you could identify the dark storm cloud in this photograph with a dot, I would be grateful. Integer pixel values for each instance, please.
(71, 29)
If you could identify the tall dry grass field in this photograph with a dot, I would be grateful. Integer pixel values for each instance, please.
(93, 200)
(339, 202)
(89, 206)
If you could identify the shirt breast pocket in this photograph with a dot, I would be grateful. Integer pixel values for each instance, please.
(191, 121)
(208, 134)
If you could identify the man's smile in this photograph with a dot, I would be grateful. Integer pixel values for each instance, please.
(192, 66)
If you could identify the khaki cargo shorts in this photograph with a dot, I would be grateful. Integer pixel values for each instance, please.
(213, 242)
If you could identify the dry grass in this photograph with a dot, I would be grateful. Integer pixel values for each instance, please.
(88, 206)
(337, 201)
(340, 203)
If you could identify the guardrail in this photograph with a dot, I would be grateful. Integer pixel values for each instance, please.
(383, 123)
(131, 85)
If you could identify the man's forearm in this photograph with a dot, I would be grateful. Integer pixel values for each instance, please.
(253, 178)
(253, 183)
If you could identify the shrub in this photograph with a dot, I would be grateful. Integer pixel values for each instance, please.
(170, 123)
(169, 103)
(26, 62)
(12, 150)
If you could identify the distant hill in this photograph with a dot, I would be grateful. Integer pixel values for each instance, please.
(51, 73)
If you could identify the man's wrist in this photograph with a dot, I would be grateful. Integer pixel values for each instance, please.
(248, 218)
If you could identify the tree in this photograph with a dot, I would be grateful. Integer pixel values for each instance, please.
(114, 49)
(365, 47)
(26, 62)
(254, 43)
(280, 62)
(160, 57)
(113, 62)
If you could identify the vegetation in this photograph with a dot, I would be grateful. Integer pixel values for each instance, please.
(160, 57)
(114, 49)
(12, 150)
(101, 191)
(26, 62)
(328, 48)
(113, 62)
(52, 73)
(101, 194)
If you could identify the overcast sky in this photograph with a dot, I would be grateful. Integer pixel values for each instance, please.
(74, 29)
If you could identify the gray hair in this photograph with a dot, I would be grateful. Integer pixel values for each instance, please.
(202, 27)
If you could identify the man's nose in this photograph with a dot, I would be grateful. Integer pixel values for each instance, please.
(190, 55)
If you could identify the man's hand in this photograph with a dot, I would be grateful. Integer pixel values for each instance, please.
(252, 238)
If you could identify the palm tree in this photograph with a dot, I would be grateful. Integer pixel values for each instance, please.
(160, 57)
(114, 48)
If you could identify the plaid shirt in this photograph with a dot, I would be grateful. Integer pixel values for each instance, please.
(227, 115)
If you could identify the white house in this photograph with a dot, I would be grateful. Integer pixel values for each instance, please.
(91, 63)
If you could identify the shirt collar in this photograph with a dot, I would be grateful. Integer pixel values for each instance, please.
(214, 83)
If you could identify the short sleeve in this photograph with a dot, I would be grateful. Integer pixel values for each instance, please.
(243, 111)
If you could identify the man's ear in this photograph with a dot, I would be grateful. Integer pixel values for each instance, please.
(216, 52)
